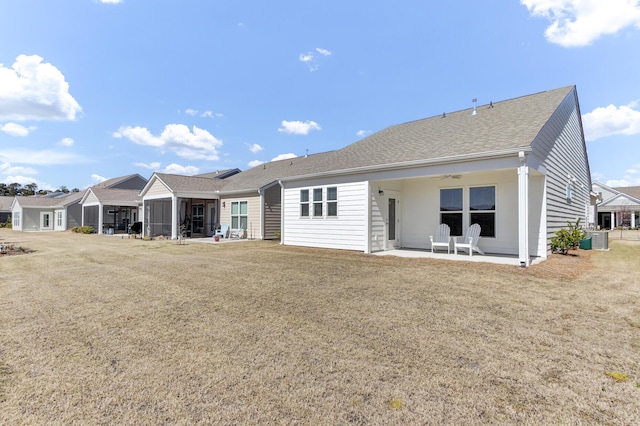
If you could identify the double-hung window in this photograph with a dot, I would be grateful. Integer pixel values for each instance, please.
(317, 202)
(482, 209)
(332, 201)
(59, 219)
(239, 215)
(304, 203)
(16, 220)
(451, 209)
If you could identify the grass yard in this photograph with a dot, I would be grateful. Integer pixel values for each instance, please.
(103, 330)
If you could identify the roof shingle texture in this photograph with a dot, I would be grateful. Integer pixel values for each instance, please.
(505, 125)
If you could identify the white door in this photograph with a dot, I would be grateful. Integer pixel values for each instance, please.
(393, 222)
(45, 221)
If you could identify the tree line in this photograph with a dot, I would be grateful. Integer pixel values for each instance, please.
(16, 189)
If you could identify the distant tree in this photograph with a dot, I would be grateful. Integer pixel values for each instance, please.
(63, 189)
(75, 190)
(15, 189)
(4, 190)
(43, 192)
(30, 189)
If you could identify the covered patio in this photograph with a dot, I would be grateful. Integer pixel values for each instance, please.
(500, 259)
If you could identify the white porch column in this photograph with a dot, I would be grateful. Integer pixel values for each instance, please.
(633, 219)
(613, 220)
(175, 215)
(523, 215)
(100, 218)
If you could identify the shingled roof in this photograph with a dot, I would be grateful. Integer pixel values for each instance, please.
(61, 201)
(190, 183)
(496, 127)
(633, 191)
(113, 195)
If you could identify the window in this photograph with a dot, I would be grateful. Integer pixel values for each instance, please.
(16, 220)
(451, 209)
(317, 202)
(482, 209)
(59, 219)
(332, 201)
(304, 202)
(197, 218)
(239, 215)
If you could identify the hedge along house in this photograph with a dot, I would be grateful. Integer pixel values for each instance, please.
(174, 204)
(111, 206)
(619, 207)
(56, 212)
(519, 168)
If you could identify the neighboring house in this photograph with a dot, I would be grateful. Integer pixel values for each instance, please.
(173, 204)
(5, 208)
(54, 212)
(618, 206)
(113, 205)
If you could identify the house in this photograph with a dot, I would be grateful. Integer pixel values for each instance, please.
(619, 206)
(111, 206)
(519, 168)
(5, 208)
(55, 212)
(173, 204)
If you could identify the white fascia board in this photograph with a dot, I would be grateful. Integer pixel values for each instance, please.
(207, 195)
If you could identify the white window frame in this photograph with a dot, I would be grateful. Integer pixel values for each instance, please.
(239, 214)
(318, 202)
(330, 202)
(59, 216)
(15, 220)
(494, 211)
(305, 203)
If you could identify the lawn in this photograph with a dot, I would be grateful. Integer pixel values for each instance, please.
(104, 330)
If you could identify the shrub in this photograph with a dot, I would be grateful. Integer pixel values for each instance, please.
(83, 229)
(567, 239)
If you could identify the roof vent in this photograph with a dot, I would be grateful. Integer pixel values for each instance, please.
(490, 104)
(475, 110)
(307, 153)
(444, 115)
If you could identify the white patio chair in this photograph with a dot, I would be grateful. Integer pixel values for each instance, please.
(442, 238)
(470, 241)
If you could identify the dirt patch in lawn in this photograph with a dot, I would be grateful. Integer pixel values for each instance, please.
(103, 330)
(8, 249)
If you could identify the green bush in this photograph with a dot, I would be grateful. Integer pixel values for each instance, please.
(83, 229)
(567, 239)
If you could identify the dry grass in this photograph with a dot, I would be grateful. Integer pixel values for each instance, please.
(99, 330)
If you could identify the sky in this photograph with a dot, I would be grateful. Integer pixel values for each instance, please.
(96, 89)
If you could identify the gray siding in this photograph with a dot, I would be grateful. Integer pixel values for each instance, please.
(135, 182)
(561, 147)
(272, 210)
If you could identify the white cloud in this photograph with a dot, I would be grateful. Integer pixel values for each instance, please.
(66, 142)
(172, 168)
(255, 148)
(205, 114)
(44, 157)
(7, 169)
(298, 127)
(255, 163)
(96, 178)
(14, 129)
(196, 145)
(311, 59)
(111, 1)
(611, 120)
(362, 133)
(151, 166)
(177, 169)
(284, 157)
(614, 183)
(580, 22)
(33, 90)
